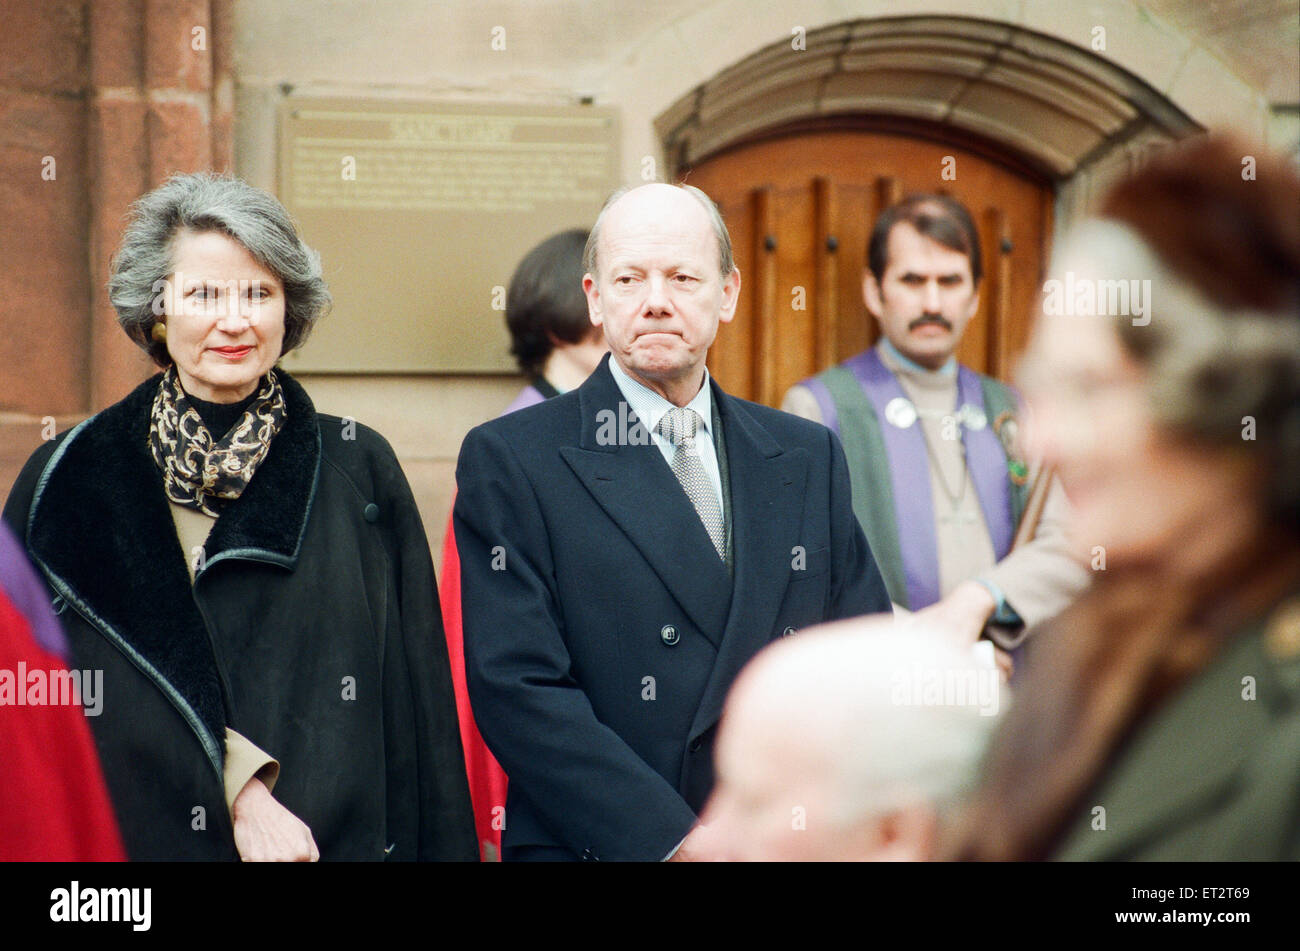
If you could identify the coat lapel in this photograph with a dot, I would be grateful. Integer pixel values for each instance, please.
(637, 489)
(268, 522)
(102, 532)
(767, 491)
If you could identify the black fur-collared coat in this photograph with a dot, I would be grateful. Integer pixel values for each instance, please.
(312, 628)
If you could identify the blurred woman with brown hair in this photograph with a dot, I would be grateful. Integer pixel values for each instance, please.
(1160, 718)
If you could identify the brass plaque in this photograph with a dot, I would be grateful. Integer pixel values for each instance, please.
(421, 211)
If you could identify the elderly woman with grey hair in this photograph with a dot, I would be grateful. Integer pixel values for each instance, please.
(251, 576)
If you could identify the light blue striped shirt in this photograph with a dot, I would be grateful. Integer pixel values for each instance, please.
(650, 407)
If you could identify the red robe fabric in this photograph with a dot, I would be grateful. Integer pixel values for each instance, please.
(54, 806)
(487, 780)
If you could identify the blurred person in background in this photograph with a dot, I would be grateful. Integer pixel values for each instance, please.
(850, 742)
(252, 578)
(556, 347)
(551, 337)
(1161, 719)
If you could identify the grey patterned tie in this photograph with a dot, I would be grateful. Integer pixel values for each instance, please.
(679, 426)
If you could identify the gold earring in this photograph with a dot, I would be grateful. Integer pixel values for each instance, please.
(159, 332)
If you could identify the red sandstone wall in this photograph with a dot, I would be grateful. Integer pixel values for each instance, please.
(118, 94)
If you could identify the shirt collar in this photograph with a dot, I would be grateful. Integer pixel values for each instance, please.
(948, 369)
(650, 407)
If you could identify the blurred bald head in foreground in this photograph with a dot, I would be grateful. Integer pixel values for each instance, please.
(849, 742)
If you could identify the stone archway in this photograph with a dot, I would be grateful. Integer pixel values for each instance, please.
(1073, 115)
(1046, 123)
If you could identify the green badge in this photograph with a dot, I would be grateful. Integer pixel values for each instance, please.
(1007, 430)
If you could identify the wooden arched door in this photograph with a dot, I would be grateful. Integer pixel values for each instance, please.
(800, 206)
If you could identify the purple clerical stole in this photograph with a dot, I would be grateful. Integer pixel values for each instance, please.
(909, 470)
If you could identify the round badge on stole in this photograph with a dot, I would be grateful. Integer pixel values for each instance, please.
(972, 417)
(900, 412)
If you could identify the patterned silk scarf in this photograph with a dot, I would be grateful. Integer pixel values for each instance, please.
(201, 472)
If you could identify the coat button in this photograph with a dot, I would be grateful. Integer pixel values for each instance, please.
(589, 856)
(787, 632)
(371, 512)
(668, 634)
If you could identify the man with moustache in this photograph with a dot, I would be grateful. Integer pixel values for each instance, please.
(938, 481)
(628, 546)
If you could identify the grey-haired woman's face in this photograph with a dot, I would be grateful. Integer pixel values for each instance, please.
(224, 317)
